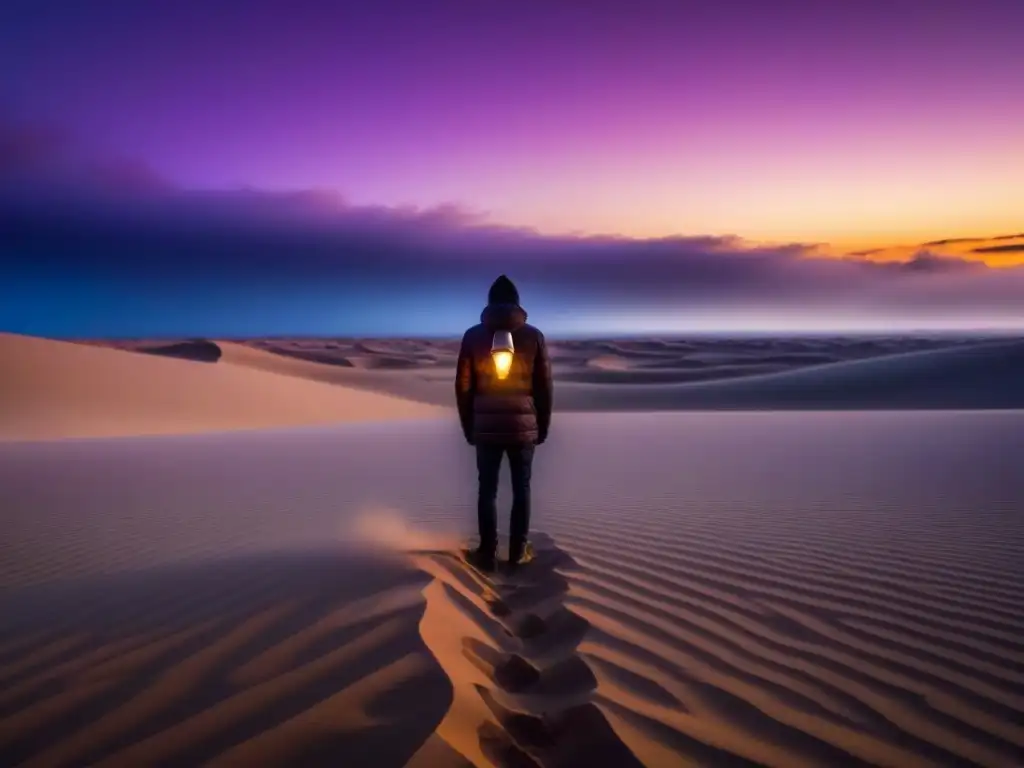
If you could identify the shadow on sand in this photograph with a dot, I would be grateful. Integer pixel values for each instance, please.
(279, 659)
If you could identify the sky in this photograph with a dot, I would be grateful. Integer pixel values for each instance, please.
(204, 168)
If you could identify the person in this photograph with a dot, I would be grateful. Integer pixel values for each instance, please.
(503, 417)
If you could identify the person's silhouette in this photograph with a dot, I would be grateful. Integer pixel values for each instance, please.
(502, 415)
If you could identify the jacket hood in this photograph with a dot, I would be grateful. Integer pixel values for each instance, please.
(503, 317)
(503, 291)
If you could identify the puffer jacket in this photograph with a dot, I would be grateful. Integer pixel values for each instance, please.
(512, 411)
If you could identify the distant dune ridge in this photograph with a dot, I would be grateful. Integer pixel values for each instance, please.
(987, 375)
(55, 389)
(711, 374)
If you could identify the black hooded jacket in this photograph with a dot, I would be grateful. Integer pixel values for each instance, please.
(511, 411)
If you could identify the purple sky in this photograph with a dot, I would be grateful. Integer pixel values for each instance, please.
(839, 127)
(868, 122)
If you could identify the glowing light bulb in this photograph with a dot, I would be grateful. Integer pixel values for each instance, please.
(502, 362)
(502, 349)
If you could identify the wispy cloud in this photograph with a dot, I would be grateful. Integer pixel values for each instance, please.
(954, 241)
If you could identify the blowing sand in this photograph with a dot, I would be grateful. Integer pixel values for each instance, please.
(759, 589)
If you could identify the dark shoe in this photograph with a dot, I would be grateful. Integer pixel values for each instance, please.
(481, 559)
(519, 553)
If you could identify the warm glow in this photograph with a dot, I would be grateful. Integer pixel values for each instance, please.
(502, 362)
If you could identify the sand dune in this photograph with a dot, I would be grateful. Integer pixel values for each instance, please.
(190, 666)
(753, 589)
(751, 374)
(834, 589)
(712, 658)
(980, 375)
(54, 389)
(627, 378)
(58, 389)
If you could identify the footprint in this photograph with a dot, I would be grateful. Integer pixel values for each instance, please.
(528, 731)
(516, 674)
(510, 671)
(569, 677)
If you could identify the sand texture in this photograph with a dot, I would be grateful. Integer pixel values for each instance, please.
(710, 589)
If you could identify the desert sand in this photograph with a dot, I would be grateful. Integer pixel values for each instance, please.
(764, 588)
(829, 373)
(58, 389)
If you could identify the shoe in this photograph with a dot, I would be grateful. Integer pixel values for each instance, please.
(481, 559)
(519, 554)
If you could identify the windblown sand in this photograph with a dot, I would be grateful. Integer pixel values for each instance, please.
(776, 589)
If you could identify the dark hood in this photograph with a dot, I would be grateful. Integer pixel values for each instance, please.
(503, 317)
(503, 291)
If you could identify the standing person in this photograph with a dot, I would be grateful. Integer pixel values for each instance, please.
(503, 416)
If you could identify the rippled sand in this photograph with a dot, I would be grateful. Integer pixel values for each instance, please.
(788, 589)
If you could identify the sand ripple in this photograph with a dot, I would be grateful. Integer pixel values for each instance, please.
(271, 661)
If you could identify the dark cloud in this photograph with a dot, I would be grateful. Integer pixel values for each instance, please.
(965, 240)
(1012, 248)
(954, 241)
(65, 215)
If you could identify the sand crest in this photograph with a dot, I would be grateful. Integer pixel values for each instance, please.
(522, 693)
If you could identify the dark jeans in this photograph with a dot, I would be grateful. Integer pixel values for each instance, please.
(488, 465)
